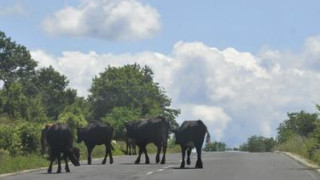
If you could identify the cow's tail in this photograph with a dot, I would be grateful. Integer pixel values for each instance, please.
(112, 148)
(74, 160)
(208, 138)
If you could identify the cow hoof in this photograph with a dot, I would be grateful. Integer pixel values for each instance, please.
(147, 162)
(59, 171)
(188, 162)
(199, 166)
(68, 170)
(49, 171)
(103, 162)
(137, 162)
(163, 162)
(182, 167)
(111, 161)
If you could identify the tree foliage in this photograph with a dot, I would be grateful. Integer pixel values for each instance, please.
(15, 61)
(258, 144)
(117, 118)
(129, 87)
(215, 146)
(53, 88)
(300, 123)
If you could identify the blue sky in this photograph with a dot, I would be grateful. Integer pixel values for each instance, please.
(247, 25)
(238, 65)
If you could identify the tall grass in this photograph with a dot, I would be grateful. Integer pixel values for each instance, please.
(305, 147)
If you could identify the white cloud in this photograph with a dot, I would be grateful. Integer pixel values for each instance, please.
(13, 10)
(107, 19)
(214, 117)
(237, 94)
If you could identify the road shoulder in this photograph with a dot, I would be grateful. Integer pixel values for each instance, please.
(303, 161)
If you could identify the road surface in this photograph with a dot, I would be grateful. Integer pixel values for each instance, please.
(217, 166)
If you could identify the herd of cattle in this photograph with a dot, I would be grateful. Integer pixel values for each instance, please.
(155, 130)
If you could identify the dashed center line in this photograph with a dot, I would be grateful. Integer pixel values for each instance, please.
(158, 170)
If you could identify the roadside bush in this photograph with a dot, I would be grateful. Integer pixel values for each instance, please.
(4, 154)
(9, 140)
(29, 134)
(303, 146)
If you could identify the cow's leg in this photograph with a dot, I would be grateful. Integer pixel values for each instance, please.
(183, 151)
(139, 155)
(110, 154)
(199, 161)
(52, 158)
(134, 151)
(158, 153)
(66, 162)
(163, 161)
(188, 155)
(89, 148)
(106, 154)
(127, 149)
(146, 155)
(59, 162)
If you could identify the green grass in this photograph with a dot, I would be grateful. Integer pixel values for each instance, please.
(18, 163)
(305, 147)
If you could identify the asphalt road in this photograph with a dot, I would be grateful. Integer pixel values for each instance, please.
(217, 166)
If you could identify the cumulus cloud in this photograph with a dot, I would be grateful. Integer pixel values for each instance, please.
(12, 10)
(107, 19)
(237, 94)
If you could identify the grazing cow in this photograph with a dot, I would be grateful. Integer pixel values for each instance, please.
(189, 135)
(154, 130)
(59, 138)
(96, 133)
(130, 146)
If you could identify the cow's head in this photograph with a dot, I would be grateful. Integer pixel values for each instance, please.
(177, 135)
(76, 152)
(128, 128)
(80, 135)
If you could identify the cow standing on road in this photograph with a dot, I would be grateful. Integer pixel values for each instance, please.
(130, 146)
(189, 135)
(96, 133)
(154, 130)
(59, 139)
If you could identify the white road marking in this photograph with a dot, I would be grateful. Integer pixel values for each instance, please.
(149, 173)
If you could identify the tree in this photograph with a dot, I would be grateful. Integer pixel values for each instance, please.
(117, 118)
(300, 123)
(53, 88)
(15, 61)
(260, 144)
(215, 146)
(131, 87)
(73, 116)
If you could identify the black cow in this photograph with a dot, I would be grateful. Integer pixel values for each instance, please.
(189, 135)
(45, 147)
(130, 146)
(96, 133)
(59, 138)
(154, 130)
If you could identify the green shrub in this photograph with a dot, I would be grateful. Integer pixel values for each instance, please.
(29, 134)
(9, 140)
(4, 154)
